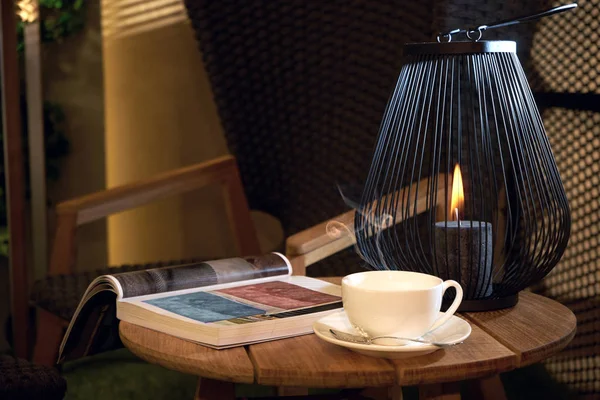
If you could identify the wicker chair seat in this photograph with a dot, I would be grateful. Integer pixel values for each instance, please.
(20, 379)
(60, 294)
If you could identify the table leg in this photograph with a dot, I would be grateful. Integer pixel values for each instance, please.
(440, 391)
(396, 393)
(489, 388)
(292, 391)
(382, 393)
(210, 389)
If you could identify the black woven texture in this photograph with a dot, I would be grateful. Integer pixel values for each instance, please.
(565, 51)
(575, 281)
(564, 64)
(468, 13)
(301, 88)
(22, 380)
(61, 294)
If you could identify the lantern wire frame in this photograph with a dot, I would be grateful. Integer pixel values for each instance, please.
(467, 104)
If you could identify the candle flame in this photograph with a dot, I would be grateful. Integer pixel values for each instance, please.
(457, 202)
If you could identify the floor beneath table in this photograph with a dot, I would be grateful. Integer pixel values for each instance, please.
(121, 375)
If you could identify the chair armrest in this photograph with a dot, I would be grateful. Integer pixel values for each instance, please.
(316, 243)
(222, 170)
(327, 238)
(101, 204)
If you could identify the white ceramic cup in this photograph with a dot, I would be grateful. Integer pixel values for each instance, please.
(396, 303)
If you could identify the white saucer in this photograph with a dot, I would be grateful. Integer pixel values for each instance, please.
(454, 331)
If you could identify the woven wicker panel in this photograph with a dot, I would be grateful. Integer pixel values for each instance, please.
(301, 87)
(22, 380)
(565, 52)
(575, 139)
(61, 294)
(468, 13)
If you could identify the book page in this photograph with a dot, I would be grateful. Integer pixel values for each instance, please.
(201, 274)
(94, 327)
(237, 304)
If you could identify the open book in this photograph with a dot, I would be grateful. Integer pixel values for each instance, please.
(222, 303)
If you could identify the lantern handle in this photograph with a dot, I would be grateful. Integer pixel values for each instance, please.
(475, 33)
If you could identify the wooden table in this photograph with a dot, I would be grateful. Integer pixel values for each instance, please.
(503, 340)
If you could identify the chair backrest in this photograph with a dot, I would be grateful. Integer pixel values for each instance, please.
(301, 87)
(564, 72)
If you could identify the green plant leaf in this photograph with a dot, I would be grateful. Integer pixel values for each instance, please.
(4, 238)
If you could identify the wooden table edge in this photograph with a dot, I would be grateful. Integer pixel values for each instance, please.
(544, 352)
(468, 372)
(324, 384)
(158, 358)
(261, 377)
(540, 353)
(472, 370)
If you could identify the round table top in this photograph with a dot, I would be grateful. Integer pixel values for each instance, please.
(502, 340)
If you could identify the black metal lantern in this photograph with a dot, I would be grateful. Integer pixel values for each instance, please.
(463, 183)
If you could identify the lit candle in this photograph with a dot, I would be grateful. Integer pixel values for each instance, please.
(464, 248)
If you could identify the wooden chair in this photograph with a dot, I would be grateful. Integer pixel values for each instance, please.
(319, 242)
(301, 88)
(57, 296)
(562, 59)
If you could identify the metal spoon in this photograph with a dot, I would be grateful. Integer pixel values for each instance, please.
(347, 337)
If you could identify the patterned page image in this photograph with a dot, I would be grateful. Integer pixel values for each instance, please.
(279, 294)
(205, 307)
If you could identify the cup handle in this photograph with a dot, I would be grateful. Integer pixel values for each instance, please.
(450, 312)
